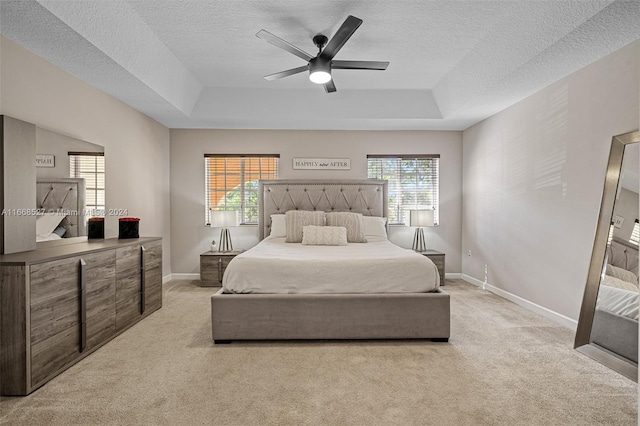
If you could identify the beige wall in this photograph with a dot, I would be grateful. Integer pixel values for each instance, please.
(190, 236)
(136, 147)
(532, 182)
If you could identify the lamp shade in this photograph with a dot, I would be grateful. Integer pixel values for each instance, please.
(223, 219)
(421, 218)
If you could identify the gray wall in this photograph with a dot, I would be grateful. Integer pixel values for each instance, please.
(627, 207)
(190, 236)
(532, 182)
(52, 143)
(136, 147)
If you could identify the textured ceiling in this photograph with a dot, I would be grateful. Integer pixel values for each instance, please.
(198, 64)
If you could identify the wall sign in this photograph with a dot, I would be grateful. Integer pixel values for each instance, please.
(45, 160)
(322, 164)
(618, 221)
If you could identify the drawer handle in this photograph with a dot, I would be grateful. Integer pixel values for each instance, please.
(142, 278)
(83, 306)
(220, 270)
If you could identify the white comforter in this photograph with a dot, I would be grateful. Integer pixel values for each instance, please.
(377, 266)
(618, 297)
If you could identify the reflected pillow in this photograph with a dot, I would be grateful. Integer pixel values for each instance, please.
(47, 223)
(621, 274)
(324, 235)
(60, 231)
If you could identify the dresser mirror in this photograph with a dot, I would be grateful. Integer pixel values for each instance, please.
(608, 323)
(70, 178)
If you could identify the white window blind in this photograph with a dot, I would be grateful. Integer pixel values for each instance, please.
(413, 183)
(90, 167)
(231, 183)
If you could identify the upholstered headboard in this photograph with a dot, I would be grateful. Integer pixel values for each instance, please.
(366, 196)
(67, 195)
(623, 255)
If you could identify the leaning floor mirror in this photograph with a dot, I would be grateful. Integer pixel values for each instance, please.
(608, 324)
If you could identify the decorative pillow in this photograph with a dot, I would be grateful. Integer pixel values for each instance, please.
(47, 223)
(278, 226)
(297, 219)
(375, 226)
(60, 231)
(324, 235)
(621, 274)
(352, 221)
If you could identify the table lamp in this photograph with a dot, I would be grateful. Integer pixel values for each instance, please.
(420, 218)
(224, 219)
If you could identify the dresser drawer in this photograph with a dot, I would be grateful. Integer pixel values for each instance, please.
(53, 354)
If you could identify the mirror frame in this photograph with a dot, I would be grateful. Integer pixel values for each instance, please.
(598, 255)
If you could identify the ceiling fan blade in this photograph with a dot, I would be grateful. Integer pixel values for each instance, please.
(330, 87)
(287, 73)
(346, 30)
(359, 65)
(277, 41)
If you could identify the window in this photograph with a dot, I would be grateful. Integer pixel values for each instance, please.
(90, 166)
(231, 183)
(413, 183)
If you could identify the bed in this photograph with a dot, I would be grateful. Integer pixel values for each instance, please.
(61, 204)
(338, 307)
(615, 322)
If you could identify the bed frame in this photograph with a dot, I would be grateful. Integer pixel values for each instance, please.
(615, 333)
(327, 316)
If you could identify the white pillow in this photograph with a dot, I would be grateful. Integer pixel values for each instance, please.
(374, 226)
(47, 223)
(324, 235)
(278, 226)
(297, 219)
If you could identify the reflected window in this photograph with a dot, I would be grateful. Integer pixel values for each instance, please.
(635, 234)
(610, 236)
(90, 167)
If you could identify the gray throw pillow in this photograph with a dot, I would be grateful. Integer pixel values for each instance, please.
(297, 219)
(354, 222)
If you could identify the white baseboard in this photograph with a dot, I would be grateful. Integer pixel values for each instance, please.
(182, 277)
(453, 275)
(166, 279)
(540, 310)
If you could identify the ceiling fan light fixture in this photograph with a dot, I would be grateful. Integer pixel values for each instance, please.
(319, 71)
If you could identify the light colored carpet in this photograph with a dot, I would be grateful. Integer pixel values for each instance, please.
(503, 366)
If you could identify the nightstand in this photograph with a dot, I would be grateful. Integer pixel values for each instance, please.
(436, 257)
(212, 266)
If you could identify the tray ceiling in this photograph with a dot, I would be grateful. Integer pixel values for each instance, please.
(197, 64)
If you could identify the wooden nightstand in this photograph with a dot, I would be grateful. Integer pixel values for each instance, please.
(436, 257)
(212, 266)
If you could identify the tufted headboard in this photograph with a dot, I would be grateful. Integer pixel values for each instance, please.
(623, 255)
(366, 196)
(68, 195)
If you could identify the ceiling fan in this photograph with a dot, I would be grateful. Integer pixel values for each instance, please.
(320, 66)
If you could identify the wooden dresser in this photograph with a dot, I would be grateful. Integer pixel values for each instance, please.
(57, 305)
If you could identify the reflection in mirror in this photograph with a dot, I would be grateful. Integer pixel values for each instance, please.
(608, 324)
(70, 186)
